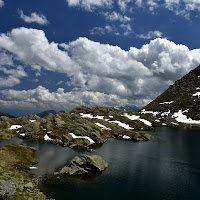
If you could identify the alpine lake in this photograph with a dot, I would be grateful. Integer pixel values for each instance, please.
(165, 168)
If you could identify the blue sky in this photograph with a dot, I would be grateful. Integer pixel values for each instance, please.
(63, 54)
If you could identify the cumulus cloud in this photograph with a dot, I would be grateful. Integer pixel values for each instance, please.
(1, 3)
(5, 59)
(99, 74)
(151, 35)
(34, 17)
(43, 98)
(114, 16)
(31, 47)
(90, 5)
(11, 76)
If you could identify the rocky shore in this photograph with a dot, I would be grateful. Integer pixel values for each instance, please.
(17, 184)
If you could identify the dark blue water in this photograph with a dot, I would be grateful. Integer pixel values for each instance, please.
(166, 168)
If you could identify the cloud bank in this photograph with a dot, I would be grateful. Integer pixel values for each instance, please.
(99, 74)
(179, 7)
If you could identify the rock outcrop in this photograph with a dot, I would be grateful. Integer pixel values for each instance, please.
(84, 165)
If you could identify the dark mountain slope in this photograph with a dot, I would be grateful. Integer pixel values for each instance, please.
(45, 113)
(6, 114)
(183, 95)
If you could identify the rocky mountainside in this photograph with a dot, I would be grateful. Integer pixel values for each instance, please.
(180, 100)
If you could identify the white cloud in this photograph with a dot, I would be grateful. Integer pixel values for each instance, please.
(114, 16)
(98, 73)
(90, 5)
(45, 99)
(151, 35)
(127, 28)
(5, 59)
(31, 47)
(1, 3)
(123, 4)
(104, 30)
(34, 17)
(11, 76)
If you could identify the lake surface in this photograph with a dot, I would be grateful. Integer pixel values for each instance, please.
(166, 168)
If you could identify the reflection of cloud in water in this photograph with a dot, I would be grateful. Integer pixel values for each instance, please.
(50, 157)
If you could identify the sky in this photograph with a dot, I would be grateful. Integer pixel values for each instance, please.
(68, 53)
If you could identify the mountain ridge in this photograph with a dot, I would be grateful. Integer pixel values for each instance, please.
(183, 96)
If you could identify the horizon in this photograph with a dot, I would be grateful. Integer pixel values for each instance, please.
(100, 53)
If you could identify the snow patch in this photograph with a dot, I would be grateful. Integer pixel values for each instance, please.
(135, 117)
(32, 120)
(82, 137)
(126, 137)
(102, 126)
(165, 113)
(169, 102)
(196, 94)
(126, 126)
(22, 134)
(174, 123)
(32, 167)
(149, 112)
(180, 117)
(157, 120)
(15, 127)
(47, 138)
(49, 132)
(91, 116)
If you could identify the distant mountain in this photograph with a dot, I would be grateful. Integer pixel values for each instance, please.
(45, 113)
(182, 99)
(129, 108)
(7, 115)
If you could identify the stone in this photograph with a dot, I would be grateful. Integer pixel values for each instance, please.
(7, 188)
(76, 161)
(95, 161)
(29, 186)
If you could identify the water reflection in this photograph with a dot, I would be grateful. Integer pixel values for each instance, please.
(167, 167)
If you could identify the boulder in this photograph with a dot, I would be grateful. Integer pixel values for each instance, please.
(7, 188)
(84, 165)
(95, 162)
(29, 186)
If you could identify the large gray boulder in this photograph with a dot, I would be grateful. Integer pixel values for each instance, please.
(83, 165)
(7, 188)
(95, 161)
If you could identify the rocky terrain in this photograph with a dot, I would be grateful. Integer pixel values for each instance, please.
(181, 100)
(15, 183)
(84, 127)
